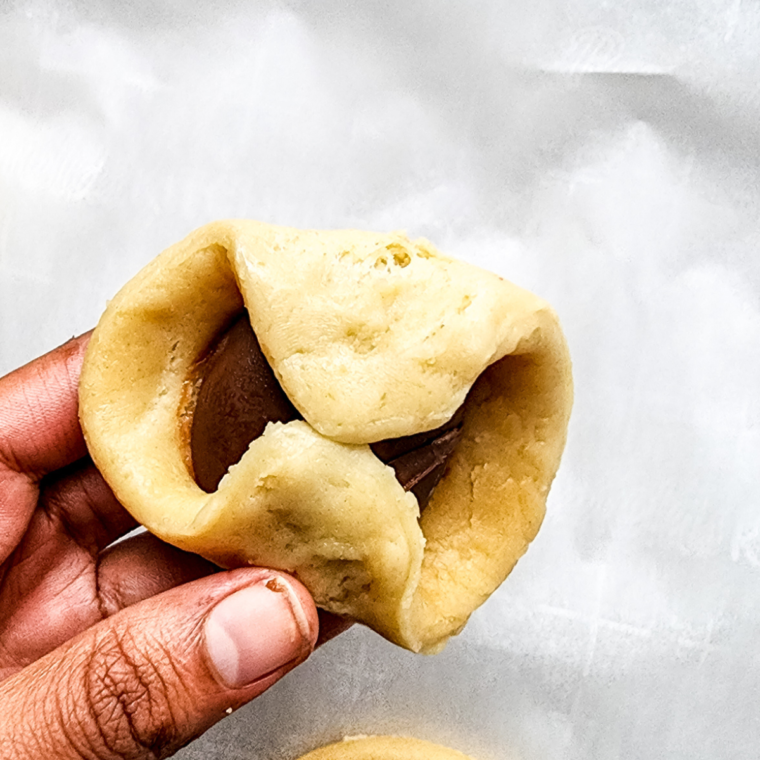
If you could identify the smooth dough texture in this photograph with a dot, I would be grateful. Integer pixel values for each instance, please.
(372, 336)
(383, 748)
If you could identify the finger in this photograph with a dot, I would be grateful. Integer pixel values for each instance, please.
(80, 506)
(78, 502)
(156, 675)
(39, 423)
(142, 566)
(57, 592)
(79, 516)
(39, 432)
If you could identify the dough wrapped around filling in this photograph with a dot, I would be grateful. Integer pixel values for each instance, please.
(233, 395)
(394, 364)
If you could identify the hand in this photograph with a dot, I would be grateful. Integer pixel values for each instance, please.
(125, 650)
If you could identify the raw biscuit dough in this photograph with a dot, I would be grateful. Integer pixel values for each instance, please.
(383, 748)
(371, 336)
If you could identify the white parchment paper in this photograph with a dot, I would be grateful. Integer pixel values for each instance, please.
(604, 155)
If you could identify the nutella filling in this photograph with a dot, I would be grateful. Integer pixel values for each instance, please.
(237, 395)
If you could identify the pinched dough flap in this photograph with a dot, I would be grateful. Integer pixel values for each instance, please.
(372, 336)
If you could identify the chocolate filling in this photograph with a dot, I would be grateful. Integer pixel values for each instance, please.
(237, 395)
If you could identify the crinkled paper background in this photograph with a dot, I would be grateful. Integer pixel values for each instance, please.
(605, 155)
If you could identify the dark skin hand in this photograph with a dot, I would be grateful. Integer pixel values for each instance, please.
(119, 650)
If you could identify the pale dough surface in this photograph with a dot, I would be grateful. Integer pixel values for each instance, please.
(371, 336)
(384, 748)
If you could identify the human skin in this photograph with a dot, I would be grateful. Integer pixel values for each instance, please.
(128, 649)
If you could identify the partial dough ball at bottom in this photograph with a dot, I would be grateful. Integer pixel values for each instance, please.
(384, 748)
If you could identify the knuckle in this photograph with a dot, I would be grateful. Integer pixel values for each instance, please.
(129, 701)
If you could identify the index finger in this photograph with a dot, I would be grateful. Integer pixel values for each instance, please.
(39, 420)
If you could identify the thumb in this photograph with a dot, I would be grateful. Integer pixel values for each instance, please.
(148, 680)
